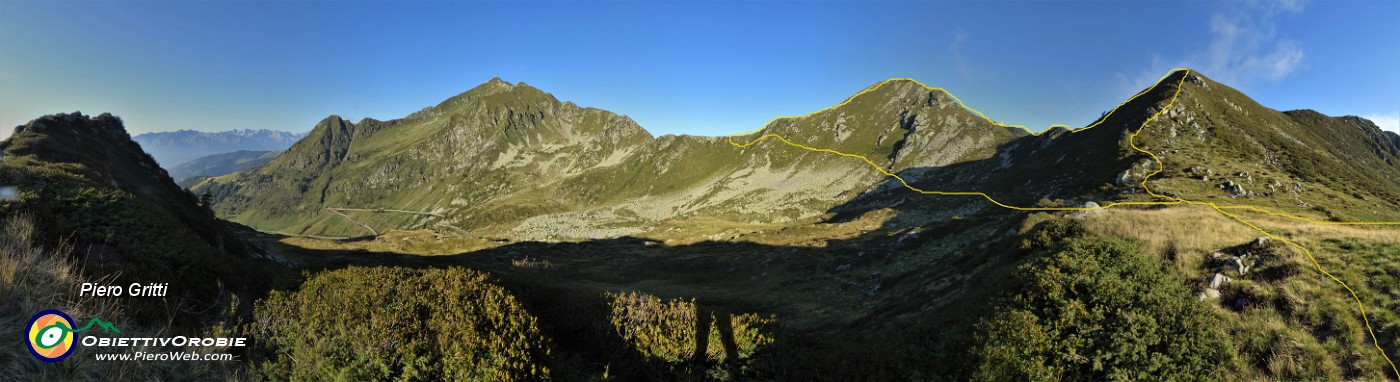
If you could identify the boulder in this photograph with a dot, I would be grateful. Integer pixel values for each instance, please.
(1124, 179)
(1209, 294)
(1235, 189)
(1091, 208)
(1240, 266)
(1216, 280)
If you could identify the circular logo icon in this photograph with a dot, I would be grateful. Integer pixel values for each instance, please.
(51, 335)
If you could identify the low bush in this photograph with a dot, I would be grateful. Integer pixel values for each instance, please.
(1099, 309)
(378, 324)
(672, 331)
(1045, 234)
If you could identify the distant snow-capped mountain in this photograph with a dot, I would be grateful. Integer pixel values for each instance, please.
(171, 148)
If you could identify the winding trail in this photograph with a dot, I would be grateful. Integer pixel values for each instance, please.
(372, 232)
(340, 211)
(1166, 200)
(383, 210)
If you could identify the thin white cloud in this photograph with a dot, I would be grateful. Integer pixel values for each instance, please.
(955, 48)
(1244, 47)
(1277, 5)
(1388, 122)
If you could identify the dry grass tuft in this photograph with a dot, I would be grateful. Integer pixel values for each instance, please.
(1183, 234)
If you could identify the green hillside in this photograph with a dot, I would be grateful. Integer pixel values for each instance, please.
(1218, 145)
(85, 204)
(87, 184)
(512, 160)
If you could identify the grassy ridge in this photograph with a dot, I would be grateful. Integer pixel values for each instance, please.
(1299, 162)
(121, 214)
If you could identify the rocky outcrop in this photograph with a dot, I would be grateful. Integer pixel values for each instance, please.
(1235, 189)
(1213, 285)
(1238, 260)
(1133, 175)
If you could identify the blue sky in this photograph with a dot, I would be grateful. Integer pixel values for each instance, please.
(707, 68)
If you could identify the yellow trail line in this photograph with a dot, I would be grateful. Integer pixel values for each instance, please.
(1168, 200)
(1359, 305)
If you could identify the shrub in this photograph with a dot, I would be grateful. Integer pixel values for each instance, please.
(363, 324)
(1099, 309)
(663, 330)
(1045, 234)
(669, 331)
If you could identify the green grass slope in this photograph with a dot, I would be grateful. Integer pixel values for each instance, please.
(1298, 162)
(513, 160)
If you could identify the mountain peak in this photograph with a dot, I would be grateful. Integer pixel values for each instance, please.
(332, 119)
(77, 125)
(1315, 151)
(100, 144)
(496, 85)
(905, 90)
(493, 85)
